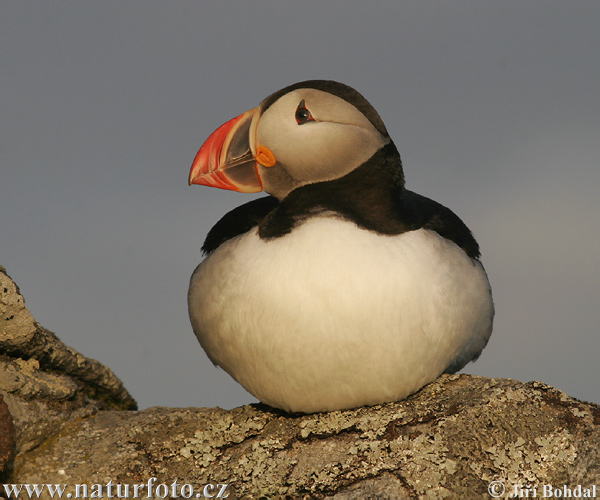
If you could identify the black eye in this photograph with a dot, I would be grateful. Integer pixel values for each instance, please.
(302, 114)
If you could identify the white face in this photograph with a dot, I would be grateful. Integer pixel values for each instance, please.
(338, 140)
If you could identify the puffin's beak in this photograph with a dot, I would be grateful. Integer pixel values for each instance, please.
(226, 159)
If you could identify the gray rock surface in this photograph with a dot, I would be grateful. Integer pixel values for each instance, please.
(43, 382)
(449, 440)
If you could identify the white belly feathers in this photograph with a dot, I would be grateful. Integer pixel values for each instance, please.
(333, 316)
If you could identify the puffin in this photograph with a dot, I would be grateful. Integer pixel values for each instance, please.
(341, 288)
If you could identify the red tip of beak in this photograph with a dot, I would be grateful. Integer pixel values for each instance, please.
(215, 165)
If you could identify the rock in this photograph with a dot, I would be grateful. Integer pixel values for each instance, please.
(7, 439)
(22, 338)
(449, 440)
(43, 382)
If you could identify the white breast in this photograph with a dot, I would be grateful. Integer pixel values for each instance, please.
(332, 316)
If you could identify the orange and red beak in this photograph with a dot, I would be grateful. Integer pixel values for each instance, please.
(227, 159)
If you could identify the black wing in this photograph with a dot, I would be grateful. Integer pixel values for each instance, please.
(416, 212)
(239, 221)
(422, 212)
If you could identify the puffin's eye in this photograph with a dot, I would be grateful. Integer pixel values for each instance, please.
(303, 115)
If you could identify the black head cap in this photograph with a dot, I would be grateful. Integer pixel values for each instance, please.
(337, 89)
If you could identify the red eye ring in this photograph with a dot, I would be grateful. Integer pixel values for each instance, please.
(303, 115)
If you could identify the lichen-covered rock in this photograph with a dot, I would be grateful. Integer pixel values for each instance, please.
(450, 440)
(43, 382)
(18, 325)
(22, 338)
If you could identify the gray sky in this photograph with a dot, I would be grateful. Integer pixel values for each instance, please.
(494, 107)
